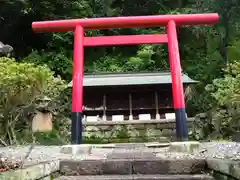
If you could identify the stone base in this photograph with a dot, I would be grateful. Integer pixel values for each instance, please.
(130, 131)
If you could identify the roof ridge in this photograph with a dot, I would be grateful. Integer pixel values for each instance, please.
(140, 72)
(126, 74)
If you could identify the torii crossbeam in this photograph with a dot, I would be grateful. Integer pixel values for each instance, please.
(170, 21)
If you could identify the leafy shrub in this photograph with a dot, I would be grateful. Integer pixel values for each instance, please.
(21, 86)
(223, 120)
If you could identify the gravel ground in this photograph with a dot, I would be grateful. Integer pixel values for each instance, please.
(220, 150)
(229, 150)
(37, 155)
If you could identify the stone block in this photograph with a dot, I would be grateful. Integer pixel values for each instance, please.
(138, 126)
(187, 146)
(104, 145)
(157, 144)
(168, 166)
(104, 127)
(82, 167)
(95, 167)
(130, 145)
(101, 151)
(76, 149)
(151, 126)
(120, 167)
(142, 132)
(168, 132)
(134, 154)
(144, 165)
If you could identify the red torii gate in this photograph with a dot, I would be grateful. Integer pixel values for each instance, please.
(170, 21)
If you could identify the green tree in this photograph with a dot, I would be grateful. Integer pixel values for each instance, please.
(229, 20)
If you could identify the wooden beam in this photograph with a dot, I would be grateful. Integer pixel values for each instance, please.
(125, 40)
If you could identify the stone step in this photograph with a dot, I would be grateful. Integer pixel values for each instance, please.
(139, 177)
(132, 166)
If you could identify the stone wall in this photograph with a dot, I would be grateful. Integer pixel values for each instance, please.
(131, 131)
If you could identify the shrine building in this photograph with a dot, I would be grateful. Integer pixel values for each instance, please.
(129, 96)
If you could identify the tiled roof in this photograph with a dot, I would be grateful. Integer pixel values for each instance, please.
(117, 79)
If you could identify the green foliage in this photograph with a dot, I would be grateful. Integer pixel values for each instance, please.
(224, 118)
(142, 61)
(22, 85)
(226, 90)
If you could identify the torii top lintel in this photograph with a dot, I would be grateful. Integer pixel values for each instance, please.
(125, 22)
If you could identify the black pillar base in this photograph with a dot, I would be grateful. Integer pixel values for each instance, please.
(77, 128)
(181, 124)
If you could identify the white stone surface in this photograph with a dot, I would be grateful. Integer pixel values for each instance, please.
(170, 115)
(92, 118)
(144, 117)
(117, 117)
(158, 117)
(130, 117)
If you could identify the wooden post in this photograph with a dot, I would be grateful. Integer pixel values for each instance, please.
(104, 117)
(156, 103)
(130, 107)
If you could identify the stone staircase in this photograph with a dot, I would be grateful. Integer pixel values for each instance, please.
(128, 163)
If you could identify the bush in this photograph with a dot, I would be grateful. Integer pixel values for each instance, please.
(223, 120)
(21, 87)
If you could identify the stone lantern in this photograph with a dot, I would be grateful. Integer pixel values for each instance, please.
(42, 121)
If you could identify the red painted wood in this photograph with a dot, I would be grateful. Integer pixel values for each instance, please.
(175, 66)
(125, 40)
(124, 22)
(78, 70)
